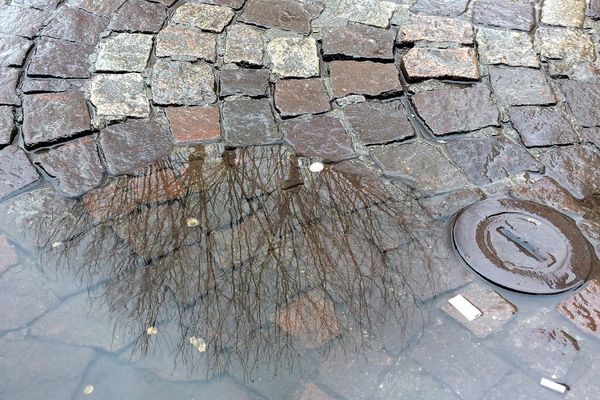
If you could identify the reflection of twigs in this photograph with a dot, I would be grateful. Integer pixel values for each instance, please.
(270, 238)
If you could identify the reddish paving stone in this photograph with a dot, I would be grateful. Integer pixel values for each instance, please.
(576, 168)
(75, 166)
(60, 59)
(39, 4)
(583, 99)
(440, 7)
(133, 144)
(33, 85)
(358, 41)
(542, 126)
(547, 191)
(13, 50)
(249, 122)
(9, 80)
(594, 9)
(51, 117)
(139, 16)
(194, 124)
(311, 318)
(21, 21)
(510, 14)
(235, 4)
(445, 205)
(7, 125)
(321, 136)
(289, 15)
(301, 96)
(425, 63)
(76, 26)
(246, 82)
(105, 8)
(16, 171)
(364, 77)
(519, 86)
(591, 135)
(583, 308)
(8, 254)
(379, 123)
(456, 110)
(436, 29)
(188, 44)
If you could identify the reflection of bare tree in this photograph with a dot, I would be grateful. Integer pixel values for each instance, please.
(248, 251)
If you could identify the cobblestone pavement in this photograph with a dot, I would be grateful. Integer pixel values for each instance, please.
(113, 113)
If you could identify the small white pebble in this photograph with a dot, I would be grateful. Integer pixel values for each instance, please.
(192, 222)
(56, 244)
(152, 330)
(198, 343)
(88, 389)
(316, 167)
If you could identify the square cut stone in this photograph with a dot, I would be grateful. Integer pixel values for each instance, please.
(496, 310)
(566, 165)
(506, 47)
(124, 52)
(52, 117)
(422, 28)
(519, 86)
(7, 125)
(367, 12)
(569, 45)
(249, 122)
(583, 308)
(191, 125)
(580, 98)
(244, 45)
(358, 41)
(75, 25)
(379, 123)
(364, 77)
(448, 111)
(183, 83)
(186, 44)
(442, 8)
(21, 21)
(60, 59)
(16, 171)
(301, 96)
(568, 13)
(509, 14)
(117, 96)
(9, 80)
(246, 82)
(290, 15)
(542, 126)
(424, 63)
(294, 57)
(13, 50)
(207, 17)
(105, 8)
(139, 16)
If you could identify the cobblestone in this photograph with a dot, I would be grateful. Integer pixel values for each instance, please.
(520, 86)
(7, 125)
(569, 13)
(60, 59)
(186, 44)
(249, 121)
(364, 77)
(124, 52)
(207, 17)
(565, 44)
(568, 165)
(245, 45)
(506, 47)
(13, 50)
(117, 96)
(16, 169)
(139, 16)
(76, 26)
(183, 83)
(423, 63)
(247, 82)
(288, 15)
(194, 124)
(379, 123)
(579, 96)
(294, 57)
(301, 96)
(542, 126)
(509, 14)
(358, 41)
(440, 7)
(9, 79)
(436, 29)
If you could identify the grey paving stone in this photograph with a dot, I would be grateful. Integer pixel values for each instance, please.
(580, 96)
(117, 96)
(186, 44)
(358, 41)
(147, 137)
(571, 46)
(13, 50)
(21, 21)
(75, 166)
(9, 80)
(454, 63)
(246, 82)
(7, 125)
(76, 26)
(379, 123)
(53, 117)
(124, 52)
(520, 86)
(294, 57)
(583, 308)
(288, 15)
(594, 9)
(572, 167)
(440, 7)
(448, 111)
(488, 160)
(244, 45)
(16, 171)
(320, 136)
(249, 122)
(420, 163)
(60, 59)
(139, 16)
(447, 204)
(510, 14)
(521, 386)
(569, 13)
(421, 28)
(542, 126)
(506, 47)
(207, 17)
(183, 83)
(49, 85)
(104, 8)
(368, 12)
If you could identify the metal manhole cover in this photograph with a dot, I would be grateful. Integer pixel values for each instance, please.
(523, 246)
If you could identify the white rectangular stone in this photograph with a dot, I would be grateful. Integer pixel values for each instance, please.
(464, 306)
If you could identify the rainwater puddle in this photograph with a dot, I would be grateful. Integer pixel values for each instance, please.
(252, 273)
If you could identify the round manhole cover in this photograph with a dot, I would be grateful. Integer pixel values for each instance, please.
(523, 246)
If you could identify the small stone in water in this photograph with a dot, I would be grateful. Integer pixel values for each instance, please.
(316, 167)
(152, 330)
(192, 222)
(88, 389)
(198, 343)
(56, 244)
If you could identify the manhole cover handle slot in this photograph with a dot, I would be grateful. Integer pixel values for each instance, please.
(523, 245)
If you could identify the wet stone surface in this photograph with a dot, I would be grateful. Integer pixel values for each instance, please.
(364, 78)
(540, 126)
(7, 125)
(518, 15)
(186, 44)
(521, 86)
(379, 123)
(249, 121)
(288, 15)
(358, 41)
(582, 308)
(117, 96)
(301, 96)
(182, 83)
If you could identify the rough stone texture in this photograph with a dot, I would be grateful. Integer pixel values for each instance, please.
(244, 45)
(207, 17)
(194, 124)
(379, 123)
(75, 166)
(301, 96)
(582, 98)
(583, 308)
(16, 171)
(364, 77)
(51, 117)
(7, 125)
(424, 63)
(510, 14)
(105, 8)
(571, 46)
(594, 9)
(506, 47)
(133, 144)
(569, 13)
(119, 96)
(547, 191)
(9, 80)
(186, 44)
(288, 15)
(420, 163)
(21, 21)
(358, 41)
(522, 386)
(496, 310)
(487, 160)
(586, 387)
(456, 110)
(320, 136)
(435, 29)
(445, 205)
(139, 16)
(124, 52)
(177, 82)
(294, 57)
(13, 50)
(518, 86)
(368, 12)
(542, 126)
(8, 253)
(247, 82)
(60, 59)
(42, 85)
(248, 122)
(76, 26)
(574, 167)
(591, 135)
(440, 7)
